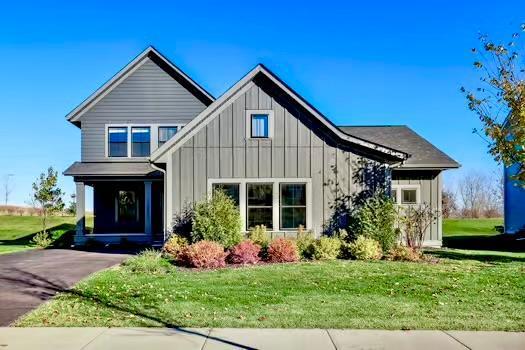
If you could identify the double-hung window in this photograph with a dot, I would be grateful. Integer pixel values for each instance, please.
(118, 142)
(166, 133)
(140, 141)
(293, 206)
(259, 205)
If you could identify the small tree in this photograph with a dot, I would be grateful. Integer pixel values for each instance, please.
(48, 195)
(415, 220)
(448, 203)
(72, 205)
(500, 100)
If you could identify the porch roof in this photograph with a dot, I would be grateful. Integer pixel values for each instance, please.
(110, 169)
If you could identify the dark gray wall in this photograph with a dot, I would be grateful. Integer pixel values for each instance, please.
(148, 95)
(430, 183)
(221, 150)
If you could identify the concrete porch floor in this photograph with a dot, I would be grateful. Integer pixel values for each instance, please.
(227, 338)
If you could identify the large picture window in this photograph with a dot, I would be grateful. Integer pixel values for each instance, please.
(230, 189)
(293, 206)
(127, 211)
(140, 141)
(259, 205)
(118, 142)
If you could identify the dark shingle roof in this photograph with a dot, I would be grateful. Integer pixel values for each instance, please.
(109, 169)
(422, 153)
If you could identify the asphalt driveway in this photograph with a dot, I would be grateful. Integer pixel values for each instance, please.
(29, 278)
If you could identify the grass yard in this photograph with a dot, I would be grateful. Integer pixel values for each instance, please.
(453, 294)
(16, 232)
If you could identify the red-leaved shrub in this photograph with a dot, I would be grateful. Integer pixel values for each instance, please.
(246, 252)
(203, 254)
(282, 250)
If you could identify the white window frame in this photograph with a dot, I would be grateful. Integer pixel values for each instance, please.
(249, 114)
(276, 198)
(400, 188)
(154, 137)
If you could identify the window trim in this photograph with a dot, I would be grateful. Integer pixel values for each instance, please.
(249, 113)
(276, 198)
(154, 137)
(281, 206)
(399, 189)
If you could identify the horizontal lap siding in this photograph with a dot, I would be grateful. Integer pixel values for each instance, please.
(148, 96)
(295, 151)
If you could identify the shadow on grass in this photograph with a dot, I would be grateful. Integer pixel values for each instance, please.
(62, 236)
(499, 242)
(483, 257)
(43, 288)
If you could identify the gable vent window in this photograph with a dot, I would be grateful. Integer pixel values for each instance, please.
(140, 142)
(118, 142)
(260, 126)
(166, 133)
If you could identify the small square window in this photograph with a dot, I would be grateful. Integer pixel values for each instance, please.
(408, 196)
(260, 126)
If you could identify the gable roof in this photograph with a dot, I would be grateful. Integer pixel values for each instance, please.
(243, 85)
(150, 52)
(401, 137)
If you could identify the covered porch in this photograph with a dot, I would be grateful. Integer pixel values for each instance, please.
(127, 208)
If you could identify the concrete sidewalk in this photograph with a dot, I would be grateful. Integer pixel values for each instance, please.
(228, 338)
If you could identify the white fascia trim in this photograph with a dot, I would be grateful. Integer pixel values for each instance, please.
(111, 84)
(276, 222)
(243, 85)
(125, 72)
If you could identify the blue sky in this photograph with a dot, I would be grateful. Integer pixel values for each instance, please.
(362, 63)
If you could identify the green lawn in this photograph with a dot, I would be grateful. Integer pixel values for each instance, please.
(16, 232)
(453, 294)
(471, 227)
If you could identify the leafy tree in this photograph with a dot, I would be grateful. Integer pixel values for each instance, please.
(500, 100)
(448, 203)
(48, 195)
(72, 205)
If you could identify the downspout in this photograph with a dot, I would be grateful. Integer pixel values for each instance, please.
(165, 195)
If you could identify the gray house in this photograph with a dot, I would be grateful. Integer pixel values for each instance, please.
(154, 141)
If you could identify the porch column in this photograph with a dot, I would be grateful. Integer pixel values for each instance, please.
(147, 208)
(81, 206)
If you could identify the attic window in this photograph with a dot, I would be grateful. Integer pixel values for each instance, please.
(259, 124)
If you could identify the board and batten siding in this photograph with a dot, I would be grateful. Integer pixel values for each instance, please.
(148, 96)
(220, 150)
(430, 184)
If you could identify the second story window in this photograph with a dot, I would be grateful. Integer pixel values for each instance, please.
(140, 141)
(260, 126)
(166, 133)
(118, 142)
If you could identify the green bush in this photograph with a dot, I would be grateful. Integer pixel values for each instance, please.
(149, 261)
(364, 248)
(327, 248)
(217, 219)
(376, 218)
(258, 235)
(305, 243)
(42, 240)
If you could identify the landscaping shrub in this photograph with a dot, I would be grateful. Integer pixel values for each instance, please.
(149, 261)
(282, 250)
(204, 254)
(403, 253)
(364, 248)
(246, 252)
(217, 219)
(258, 235)
(174, 246)
(376, 218)
(326, 248)
(415, 220)
(182, 222)
(42, 240)
(305, 243)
